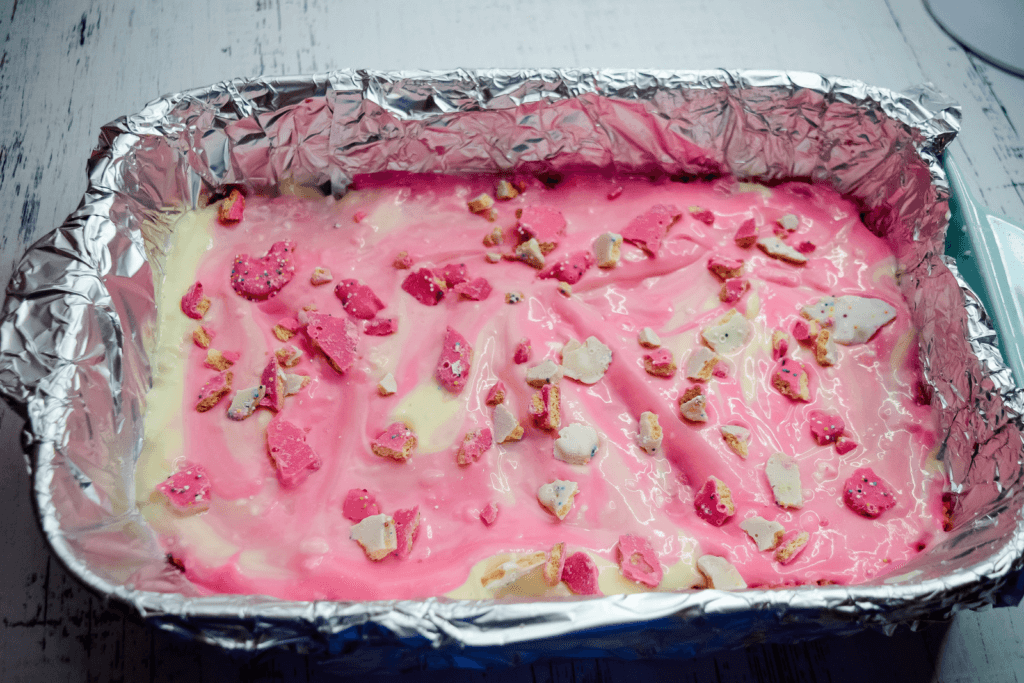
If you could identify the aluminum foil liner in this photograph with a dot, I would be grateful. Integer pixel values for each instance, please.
(79, 319)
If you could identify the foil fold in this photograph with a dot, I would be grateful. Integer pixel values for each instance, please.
(80, 316)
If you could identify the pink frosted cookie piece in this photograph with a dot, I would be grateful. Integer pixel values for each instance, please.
(802, 331)
(724, 268)
(571, 268)
(705, 216)
(380, 327)
(580, 574)
(453, 366)
(402, 260)
(546, 408)
(844, 445)
(733, 290)
(397, 442)
(336, 338)
(825, 427)
(320, 276)
(555, 564)
(407, 528)
(866, 494)
(194, 304)
(780, 344)
(272, 380)
(453, 274)
(292, 456)
(522, 352)
(425, 286)
(489, 515)
(542, 223)
(714, 502)
(231, 209)
(476, 289)
(660, 363)
(806, 247)
(188, 489)
(746, 234)
(220, 360)
(638, 561)
(791, 379)
(213, 391)
(790, 548)
(474, 445)
(259, 279)
(496, 394)
(359, 504)
(358, 300)
(647, 230)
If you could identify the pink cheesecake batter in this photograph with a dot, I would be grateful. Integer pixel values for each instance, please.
(294, 542)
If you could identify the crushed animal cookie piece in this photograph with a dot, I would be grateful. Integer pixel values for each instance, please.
(407, 528)
(638, 561)
(542, 223)
(202, 337)
(788, 551)
(693, 405)
(660, 363)
(570, 269)
(764, 533)
(777, 249)
(705, 216)
(288, 356)
(493, 257)
(608, 249)
(513, 297)
(508, 572)
(576, 444)
(474, 445)
(565, 289)
(259, 279)
(714, 503)
(220, 360)
(649, 228)
(496, 394)
(724, 268)
(453, 365)
(805, 331)
(806, 247)
(579, 572)
(213, 391)
(495, 237)
(320, 276)
(844, 445)
(505, 190)
(546, 408)
(402, 261)
(425, 286)
(476, 289)
(784, 478)
(396, 442)
(380, 327)
(650, 432)
(720, 574)
(283, 332)
(853, 319)
(557, 497)
(245, 403)
(335, 338)
(359, 504)
(453, 274)
(522, 352)
(293, 384)
(272, 380)
(791, 379)
(387, 386)
(188, 489)
(358, 300)
(737, 438)
(788, 222)
(615, 192)
(545, 372)
(733, 290)
(586, 362)
(194, 304)
(506, 426)
(481, 204)
(780, 344)
(292, 456)
(825, 427)
(701, 364)
(746, 234)
(529, 253)
(825, 351)
(648, 338)
(376, 535)
(489, 515)
(866, 494)
(555, 564)
(728, 333)
(231, 209)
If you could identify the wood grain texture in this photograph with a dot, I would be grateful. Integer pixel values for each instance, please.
(69, 66)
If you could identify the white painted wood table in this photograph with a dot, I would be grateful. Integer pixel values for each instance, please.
(69, 66)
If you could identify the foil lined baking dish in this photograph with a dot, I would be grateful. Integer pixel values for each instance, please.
(80, 316)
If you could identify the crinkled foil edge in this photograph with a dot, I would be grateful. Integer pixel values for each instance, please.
(64, 327)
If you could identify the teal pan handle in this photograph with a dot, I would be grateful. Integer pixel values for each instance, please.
(994, 255)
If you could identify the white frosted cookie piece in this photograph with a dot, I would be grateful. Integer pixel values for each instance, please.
(790, 222)
(608, 249)
(377, 535)
(529, 252)
(776, 248)
(737, 438)
(784, 477)
(245, 402)
(693, 404)
(728, 333)
(545, 372)
(587, 362)
(766, 534)
(387, 385)
(650, 432)
(649, 338)
(853, 319)
(557, 496)
(701, 364)
(720, 573)
(508, 572)
(506, 426)
(576, 444)
(825, 351)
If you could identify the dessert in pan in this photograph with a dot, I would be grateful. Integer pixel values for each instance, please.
(480, 386)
